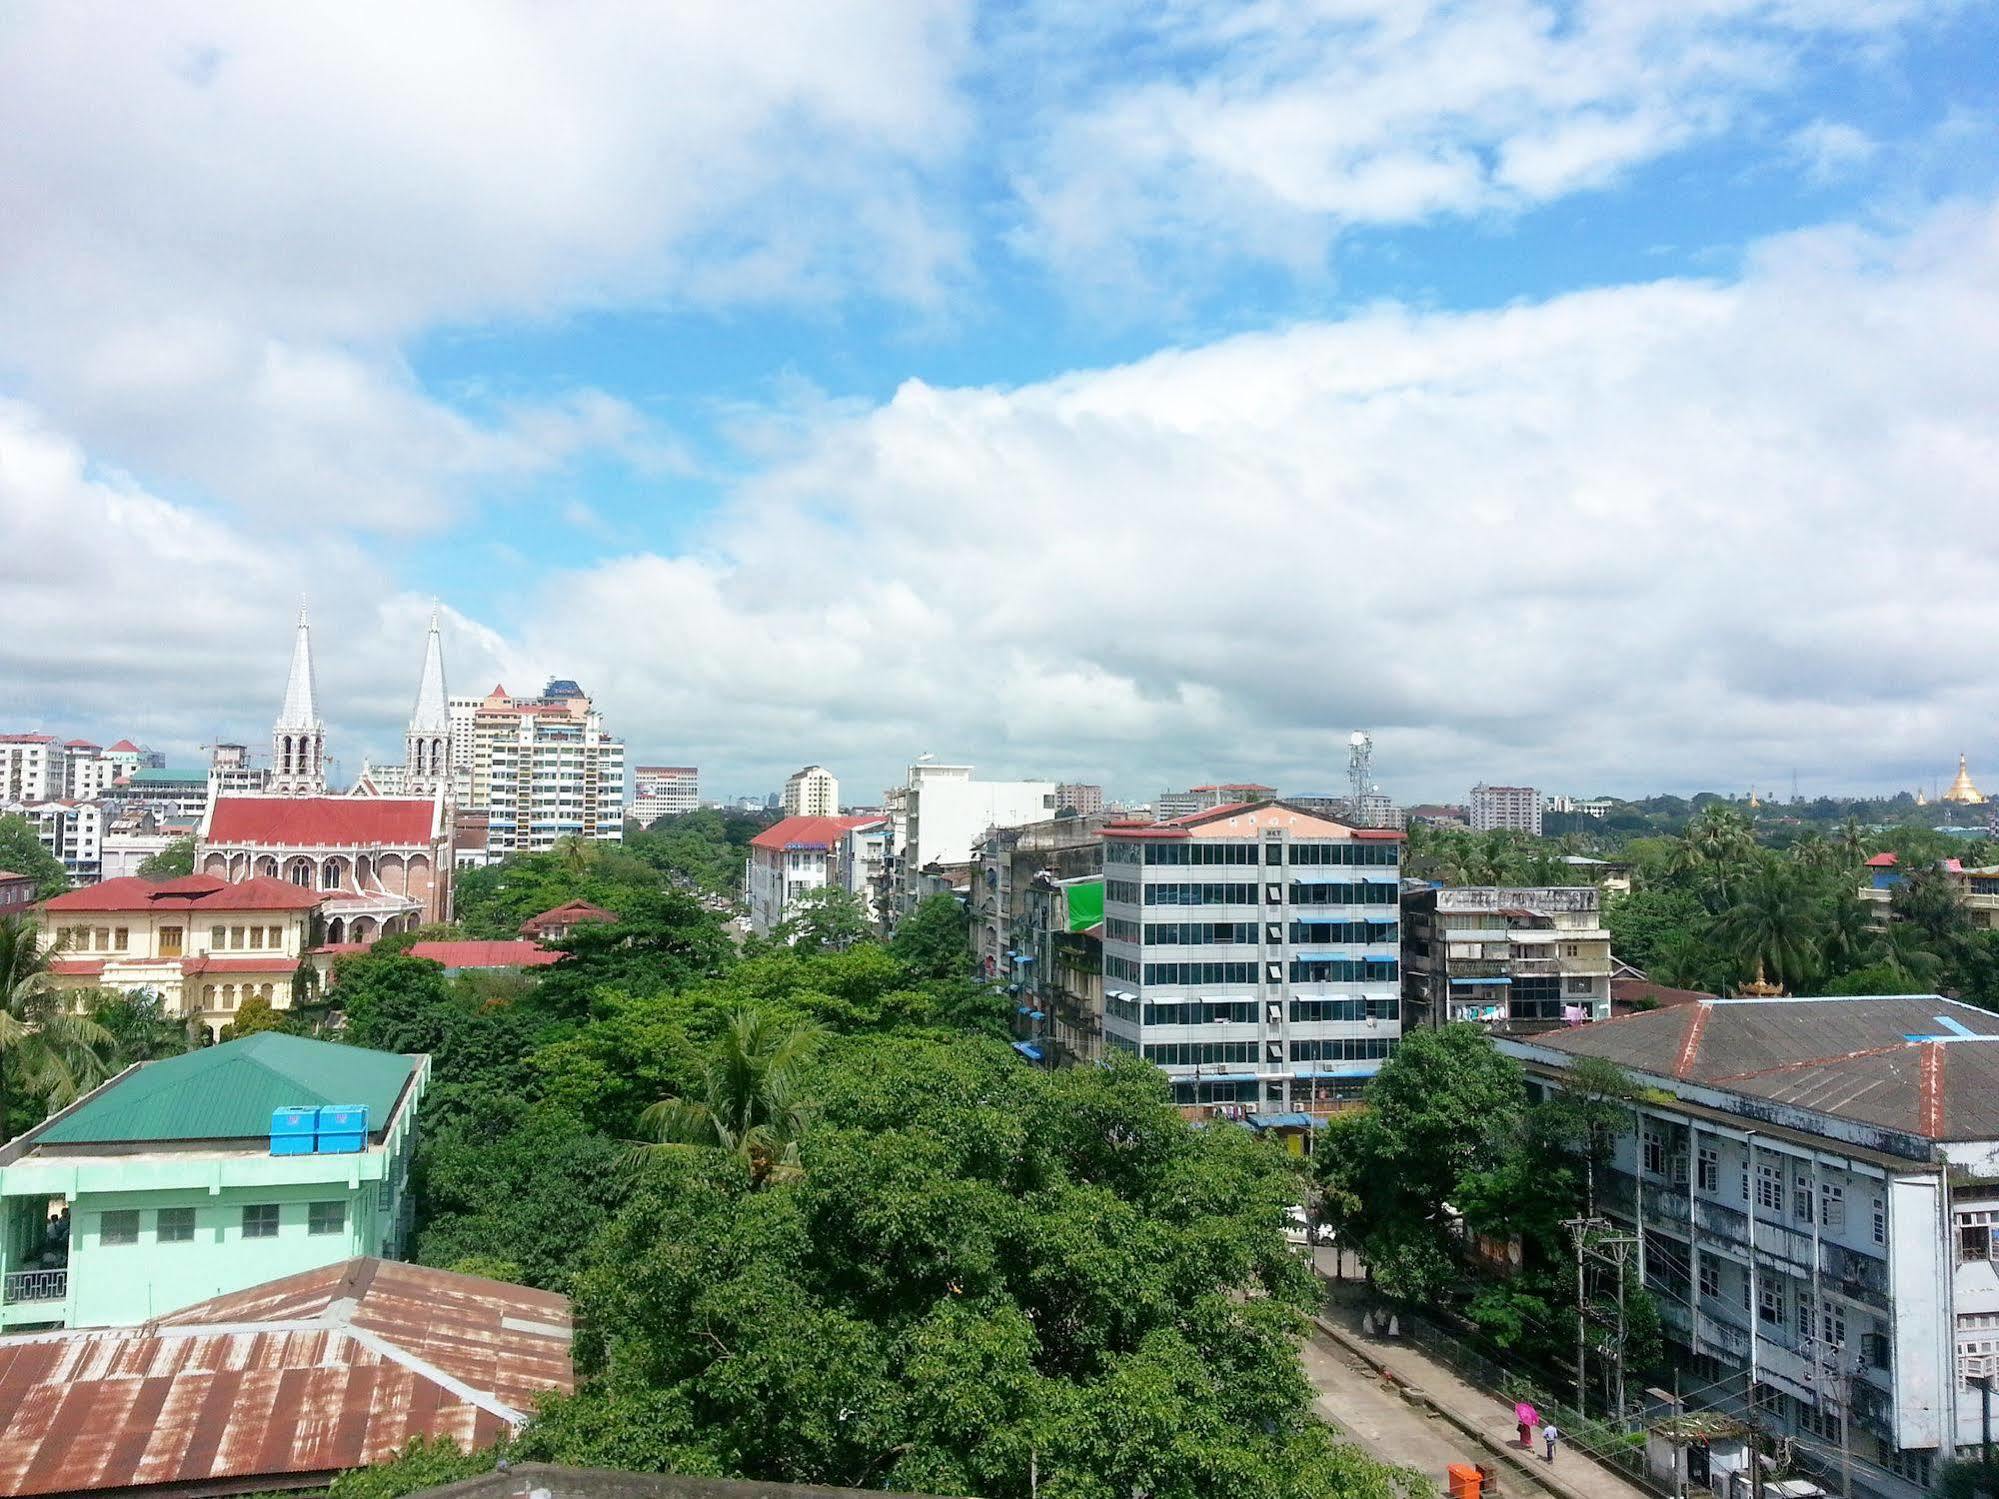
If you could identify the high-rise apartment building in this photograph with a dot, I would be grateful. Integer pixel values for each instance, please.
(1176, 804)
(31, 768)
(1084, 800)
(664, 791)
(811, 792)
(544, 769)
(1515, 809)
(1252, 952)
(943, 813)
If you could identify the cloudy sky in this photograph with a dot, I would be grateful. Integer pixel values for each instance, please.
(1603, 395)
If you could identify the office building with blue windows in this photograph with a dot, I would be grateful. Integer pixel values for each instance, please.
(1252, 952)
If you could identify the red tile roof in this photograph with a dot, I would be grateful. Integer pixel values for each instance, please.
(125, 746)
(209, 963)
(8, 874)
(809, 832)
(79, 744)
(1882, 861)
(27, 739)
(486, 954)
(322, 821)
(294, 1379)
(568, 914)
(194, 892)
(76, 968)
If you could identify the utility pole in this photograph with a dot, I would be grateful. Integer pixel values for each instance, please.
(1845, 1374)
(1598, 1240)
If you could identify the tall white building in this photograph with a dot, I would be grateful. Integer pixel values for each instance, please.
(811, 792)
(72, 831)
(1252, 952)
(945, 813)
(1514, 809)
(31, 768)
(544, 769)
(1811, 1185)
(664, 791)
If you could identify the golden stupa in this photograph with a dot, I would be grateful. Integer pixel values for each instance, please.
(1961, 790)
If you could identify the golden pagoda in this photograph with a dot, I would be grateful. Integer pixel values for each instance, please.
(1961, 790)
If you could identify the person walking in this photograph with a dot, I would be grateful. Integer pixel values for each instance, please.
(1529, 1418)
(1551, 1434)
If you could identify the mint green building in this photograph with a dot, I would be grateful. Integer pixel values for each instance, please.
(163, 1188)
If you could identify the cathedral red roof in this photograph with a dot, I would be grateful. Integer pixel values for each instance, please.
(809, 832)
(323, 821)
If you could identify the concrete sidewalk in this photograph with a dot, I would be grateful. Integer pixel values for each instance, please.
(1483, 1420)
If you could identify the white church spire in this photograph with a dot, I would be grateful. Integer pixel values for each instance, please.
(298, 739)
(427, 760)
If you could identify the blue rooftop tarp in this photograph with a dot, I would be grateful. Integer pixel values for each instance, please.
(1028, 1049)
(1483, 981)
(1279, 1121)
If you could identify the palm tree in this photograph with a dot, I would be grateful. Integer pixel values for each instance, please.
(1774, 926)
(1851, 841)
(750, 1106)
(54, 1055)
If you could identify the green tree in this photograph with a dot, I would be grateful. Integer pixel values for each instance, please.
(138, 1025)
(662, 940)
(424, 1463)
(986, 1268)
(256, 1015)
(751, 1104)
(1773, 928)
(21, 852)
(1445, 1107)
(1930, 900)
(1586, 1114)
(173, 862)
(935, 938)
(829, 919)
(47, 1055)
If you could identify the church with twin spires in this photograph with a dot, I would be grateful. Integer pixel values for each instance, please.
(382, 861)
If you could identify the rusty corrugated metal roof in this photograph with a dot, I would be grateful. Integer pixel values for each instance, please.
(301, 1376)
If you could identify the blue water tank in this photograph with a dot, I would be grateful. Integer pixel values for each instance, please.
(343, 1119)
(293, 1130)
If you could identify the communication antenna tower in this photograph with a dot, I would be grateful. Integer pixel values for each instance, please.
(1360, 769)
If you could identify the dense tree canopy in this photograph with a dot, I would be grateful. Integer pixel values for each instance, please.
(170, 863)
(22, 852)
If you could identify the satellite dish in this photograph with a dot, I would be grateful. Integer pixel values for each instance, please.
(1358, 737)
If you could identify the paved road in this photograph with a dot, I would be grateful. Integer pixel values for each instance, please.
(1353, 1399)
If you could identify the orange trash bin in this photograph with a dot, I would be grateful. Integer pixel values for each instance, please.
(1464, 1481)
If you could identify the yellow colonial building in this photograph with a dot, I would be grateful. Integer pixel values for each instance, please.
(204, 945)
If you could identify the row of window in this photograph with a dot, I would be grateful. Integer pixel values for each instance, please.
(223, 997)
(1199, 933)
(1232, 893)
(119, 939)
(1354, 1008)
(1346, 971)
(176, 1225)
(1202, 1012)
(1223, 1053)
(1371, 855)
(1362, 970)
(1830, 1207)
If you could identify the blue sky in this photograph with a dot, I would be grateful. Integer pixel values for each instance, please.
(1128, 393)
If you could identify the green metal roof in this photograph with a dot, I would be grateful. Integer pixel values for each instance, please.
(227, 1092)
(1086, 904)
(152, 777)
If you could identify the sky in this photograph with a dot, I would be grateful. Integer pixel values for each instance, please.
(1602, 396)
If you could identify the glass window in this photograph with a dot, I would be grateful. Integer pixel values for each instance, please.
(176, 1225)
(121, 939)
(119, 1227)
(236, 937)
(1770, 1188)
(1880, 1220)
(1710, 1169)
(326, 1217)
(261, 1221)
(1770, 1304)
(170, 941)
(218, 937)
(1710, 1276)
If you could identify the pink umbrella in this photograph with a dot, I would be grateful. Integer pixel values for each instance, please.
(1526, 1415)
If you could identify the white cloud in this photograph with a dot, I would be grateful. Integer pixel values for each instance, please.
(1261, 132)
(1670, 534)
(226, 221)
(1828, 149)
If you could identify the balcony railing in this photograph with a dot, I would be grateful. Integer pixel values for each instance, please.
(35, 1285)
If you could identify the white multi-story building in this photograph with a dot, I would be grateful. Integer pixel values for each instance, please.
(1515, 809)
(543, 769)
(808, 853)
(945, 813)
(132, 837)
(1581, 806)
(230, 770)
(88, 772)
(31, 768)
(811, 792)
(72, 831)
(1510, 957)
(1252, 952)
(664, 791)
(1814, 1185)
